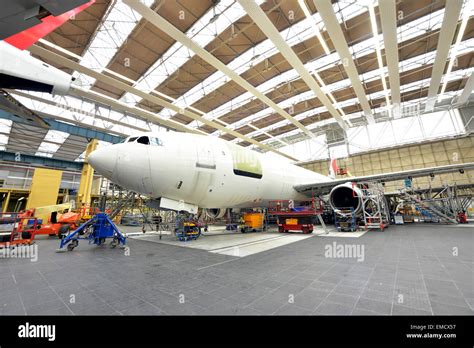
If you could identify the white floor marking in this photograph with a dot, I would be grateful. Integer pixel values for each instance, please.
(356, 234)
(260, 246)
(231, 243)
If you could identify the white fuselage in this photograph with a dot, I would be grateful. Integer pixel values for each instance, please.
(29, 73)
(202, 170)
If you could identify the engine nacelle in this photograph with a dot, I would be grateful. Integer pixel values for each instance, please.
(19, 70)
(214, 213)
(346, 196)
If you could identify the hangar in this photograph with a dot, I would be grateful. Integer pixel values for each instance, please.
(279, 157)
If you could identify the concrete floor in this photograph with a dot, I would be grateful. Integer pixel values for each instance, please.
(422, 269)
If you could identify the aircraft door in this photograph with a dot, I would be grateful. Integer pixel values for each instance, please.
(205, 171)
(205, 156)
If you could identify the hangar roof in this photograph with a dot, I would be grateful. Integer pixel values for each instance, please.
(264, 74)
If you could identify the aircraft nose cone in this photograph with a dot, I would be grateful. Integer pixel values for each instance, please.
(104, 161)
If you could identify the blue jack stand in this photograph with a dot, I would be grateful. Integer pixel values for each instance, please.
(96, 230)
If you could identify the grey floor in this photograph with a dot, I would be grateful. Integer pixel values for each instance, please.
(424, 269)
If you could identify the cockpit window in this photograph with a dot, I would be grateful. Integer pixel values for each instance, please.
(143, 140)
(156, 142)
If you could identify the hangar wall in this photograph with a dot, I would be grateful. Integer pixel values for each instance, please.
(427, 154)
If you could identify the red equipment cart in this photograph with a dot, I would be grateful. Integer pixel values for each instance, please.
(17, 229)
(295, 216)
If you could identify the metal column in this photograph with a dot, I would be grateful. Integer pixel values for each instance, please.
(85, 186)
(6, 202)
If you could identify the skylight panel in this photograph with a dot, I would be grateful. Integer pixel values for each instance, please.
(394, 132)
(5, 126)
(376, 95)
(51, 143)
(54, 136)
(3, 139)
(112, 33)
(295, 34)
(368, 76)
(360, 49)
(5, 129)
(47, 149)
(205, 30)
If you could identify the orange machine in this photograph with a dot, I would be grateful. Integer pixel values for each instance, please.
(252, 222)
(62, 225)
(58, 224)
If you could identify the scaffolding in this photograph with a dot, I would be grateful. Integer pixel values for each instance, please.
(376, 214)
(441, 204)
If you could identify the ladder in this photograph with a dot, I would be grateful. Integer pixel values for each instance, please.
(128, 199)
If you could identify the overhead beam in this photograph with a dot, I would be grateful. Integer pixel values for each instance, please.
(179, 36)
(120, 106)
(334, 30)
(67, 128)
(39, 160)
(44, 53)
(466, 92)
(83, 112)
(267, 27)
(446, 35)
(388, 18)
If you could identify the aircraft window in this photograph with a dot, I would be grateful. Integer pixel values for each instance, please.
(143, 140)
(156, 142)
(131, 140)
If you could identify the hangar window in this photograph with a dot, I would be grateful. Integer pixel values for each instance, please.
(143, 140)
(131, 140)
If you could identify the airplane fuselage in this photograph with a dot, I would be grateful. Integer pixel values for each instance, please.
(202, 170)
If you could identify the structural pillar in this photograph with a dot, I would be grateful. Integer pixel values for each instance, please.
(6, 202)
(85, 186)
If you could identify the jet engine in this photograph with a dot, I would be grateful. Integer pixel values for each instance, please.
(346, 196)
(214, 213)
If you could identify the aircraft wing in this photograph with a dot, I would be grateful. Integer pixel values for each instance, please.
(10, 104)
(35, 18)
(23, 23)
(326, 186)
